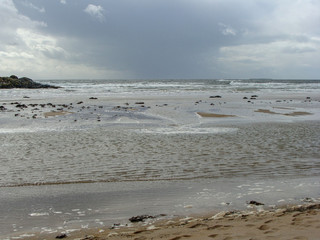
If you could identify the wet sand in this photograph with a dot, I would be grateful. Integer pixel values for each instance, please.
(294, 222)
(214, 115)
(53, 114)
(284, 114)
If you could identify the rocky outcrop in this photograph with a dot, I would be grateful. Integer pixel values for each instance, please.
(24, 82)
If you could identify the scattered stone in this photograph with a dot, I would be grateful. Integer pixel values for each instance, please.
(140, 218)
(89, 237)
(80, 102)
(21, 106)
(2, 108)
(217, 96)
(139, 103)
(61, 236)
(93, 98)
(307, 199)
(245, 98)
(254, 96)
(255, 203)
(115, 226)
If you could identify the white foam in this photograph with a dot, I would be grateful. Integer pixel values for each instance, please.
(187, 130)
(39, 214)
(25, 130)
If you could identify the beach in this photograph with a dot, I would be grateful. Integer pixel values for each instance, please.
(292, 222)
(82, 160)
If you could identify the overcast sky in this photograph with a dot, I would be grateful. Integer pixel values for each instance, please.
(112, 39)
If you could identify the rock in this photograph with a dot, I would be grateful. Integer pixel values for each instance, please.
(139, 102)
(21, 106)
(13, 77)
(140, 218)
(93, 98)
(217, 96)
(255, 203)
(90, 237)
(24, 82)
(61, 236)
(2, 108)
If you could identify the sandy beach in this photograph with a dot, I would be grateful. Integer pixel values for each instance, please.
(300, 222)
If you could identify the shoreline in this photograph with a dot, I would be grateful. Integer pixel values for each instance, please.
(81, 210)
(287, 222)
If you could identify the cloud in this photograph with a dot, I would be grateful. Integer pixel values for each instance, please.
(161, 38)
(275, 57)
(227, 30)
(34, 7)
(25, 49)
(95, 11)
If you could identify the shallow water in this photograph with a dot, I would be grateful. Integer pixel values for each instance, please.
(113, 154)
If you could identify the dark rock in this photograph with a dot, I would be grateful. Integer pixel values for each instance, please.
(61, 236)
(140, 218)
(13, 77)
(21, 106)
(94, 98)
(15, 82)
(255, 203)
(245, 98)
(217, 96)
(254, 96)
(139, 102)
(80, 102)
(2, 108)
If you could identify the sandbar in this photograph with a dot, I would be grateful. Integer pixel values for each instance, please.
(285, 114)
(53, 114)
(214, 115)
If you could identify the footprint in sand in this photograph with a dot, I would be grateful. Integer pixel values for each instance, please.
(179, 237)
(264, 227)
(213, 235)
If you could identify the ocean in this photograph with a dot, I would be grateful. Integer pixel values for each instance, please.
(96, 152)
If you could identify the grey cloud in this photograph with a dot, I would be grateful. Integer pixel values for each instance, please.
(95, 11)
(172, 39)
(34, 7)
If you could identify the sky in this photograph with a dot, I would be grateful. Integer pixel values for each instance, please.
(160, 39)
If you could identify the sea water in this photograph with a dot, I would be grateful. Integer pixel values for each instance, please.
(130, 147)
